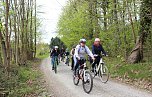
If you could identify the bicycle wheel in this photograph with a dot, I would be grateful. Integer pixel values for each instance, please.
(94, 72)
(87, 82)
(104, 73)
(76, 78)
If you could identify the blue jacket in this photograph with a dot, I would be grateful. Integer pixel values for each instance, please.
(98, 49)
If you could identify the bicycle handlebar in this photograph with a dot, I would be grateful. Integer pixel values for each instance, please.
(96, 55)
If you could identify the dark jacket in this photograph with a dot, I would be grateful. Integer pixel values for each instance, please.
(55, 52)
(62, 51)
(98, 49)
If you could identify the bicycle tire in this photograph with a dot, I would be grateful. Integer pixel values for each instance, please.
(75, 79)
(94, 72)
(104, 74)
(90, 82)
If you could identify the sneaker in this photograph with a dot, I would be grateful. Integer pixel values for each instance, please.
(52, 68)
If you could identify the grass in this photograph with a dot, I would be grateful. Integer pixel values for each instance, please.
(27, 80)
(24, 81)
(140, 73)
(43, 56)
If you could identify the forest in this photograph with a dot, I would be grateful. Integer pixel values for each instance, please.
(124, 26)
(18, 32)
(18, 45)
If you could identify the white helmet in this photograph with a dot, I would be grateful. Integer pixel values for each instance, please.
(56, 47)
(82, 40)
(97, 39)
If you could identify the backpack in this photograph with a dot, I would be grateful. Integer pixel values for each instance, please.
(80, 47)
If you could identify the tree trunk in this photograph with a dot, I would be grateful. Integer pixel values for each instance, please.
(15, 32)
(145, 23)
(35, 31)
(31, 31)
(7, 35)
(4, 51)
(105, 7)
(132, 25)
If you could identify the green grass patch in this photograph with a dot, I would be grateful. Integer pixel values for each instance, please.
(43, 51)
(119, 68)
(43, 56)
(24, 81)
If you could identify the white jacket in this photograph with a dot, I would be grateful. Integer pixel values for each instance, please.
(80, 52)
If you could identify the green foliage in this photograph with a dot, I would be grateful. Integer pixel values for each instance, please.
(42, 51)
(23, 80)
(73, 23)
(25, 74)
(57, 42)
(81, 18)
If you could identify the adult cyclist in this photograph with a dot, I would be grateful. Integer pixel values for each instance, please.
(96, 50)
(72, 57)
(67, 53)
(62, 52)
(80, 52)
(55, 53)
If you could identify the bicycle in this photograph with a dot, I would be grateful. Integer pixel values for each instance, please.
(85, 75)
(101, 70)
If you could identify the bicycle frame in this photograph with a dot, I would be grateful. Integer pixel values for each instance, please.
(85, 76)
(82, 71)
(99, 65)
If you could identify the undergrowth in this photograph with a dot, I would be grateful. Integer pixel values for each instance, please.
(23, 81)
(139, 74)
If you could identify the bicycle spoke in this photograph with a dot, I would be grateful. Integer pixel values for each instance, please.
(87, 82)
(104, 74)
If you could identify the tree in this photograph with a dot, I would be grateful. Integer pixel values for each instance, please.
(116, 22)
(145, 24)
(57, 42)
(17, 31)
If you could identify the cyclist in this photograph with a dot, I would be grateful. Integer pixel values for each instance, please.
(96, 50)
(51, 50)
(67, 56)
(55, 53)
(80, 51)
(62, 52)
(72, 57)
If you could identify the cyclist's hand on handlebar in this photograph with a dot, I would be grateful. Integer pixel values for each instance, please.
(95, 55)
(105, 55)
(78, 58)
(93, 58)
